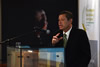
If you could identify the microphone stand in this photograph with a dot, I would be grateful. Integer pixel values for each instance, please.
(10, 39)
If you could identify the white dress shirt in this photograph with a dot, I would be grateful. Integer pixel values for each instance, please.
(67, 33)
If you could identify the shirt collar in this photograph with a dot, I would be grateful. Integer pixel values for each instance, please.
(67, 33)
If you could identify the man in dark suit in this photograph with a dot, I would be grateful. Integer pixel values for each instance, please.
(75, 42)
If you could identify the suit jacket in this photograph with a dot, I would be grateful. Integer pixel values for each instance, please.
(77, 51)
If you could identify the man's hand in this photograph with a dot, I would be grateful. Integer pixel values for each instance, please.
(55, 39)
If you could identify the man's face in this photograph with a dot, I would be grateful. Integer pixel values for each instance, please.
(64, 23)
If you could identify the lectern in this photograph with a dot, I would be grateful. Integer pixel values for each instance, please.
(35, 57)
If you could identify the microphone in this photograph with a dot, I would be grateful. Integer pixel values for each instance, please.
(47, 31)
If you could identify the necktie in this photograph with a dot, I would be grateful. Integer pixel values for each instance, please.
(65, 40)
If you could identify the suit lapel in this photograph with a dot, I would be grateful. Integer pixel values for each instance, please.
(70, 36)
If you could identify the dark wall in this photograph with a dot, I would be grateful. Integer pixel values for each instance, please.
(17, 15)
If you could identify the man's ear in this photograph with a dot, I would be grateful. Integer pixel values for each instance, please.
(71, 20)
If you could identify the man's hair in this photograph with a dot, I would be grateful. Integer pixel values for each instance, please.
(68, 14)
